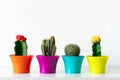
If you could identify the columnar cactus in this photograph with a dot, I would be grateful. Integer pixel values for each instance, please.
(20, 45)
(96, 48)
(48, 47)
(72, 50)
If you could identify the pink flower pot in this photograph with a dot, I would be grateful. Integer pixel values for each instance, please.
(47, 64)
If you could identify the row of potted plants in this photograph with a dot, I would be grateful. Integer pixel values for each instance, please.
(72, 59)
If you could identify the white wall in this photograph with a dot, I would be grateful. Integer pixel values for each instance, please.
(70, 21)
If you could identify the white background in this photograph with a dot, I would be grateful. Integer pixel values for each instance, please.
(70, 21)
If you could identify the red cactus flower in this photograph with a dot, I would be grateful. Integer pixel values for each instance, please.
(21, 38)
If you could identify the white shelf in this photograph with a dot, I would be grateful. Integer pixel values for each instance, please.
(111, 74)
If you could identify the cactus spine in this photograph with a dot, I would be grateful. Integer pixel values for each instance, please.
(48, 47)
(96, 48)
(20, 46)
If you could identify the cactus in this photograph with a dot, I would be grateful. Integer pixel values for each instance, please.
(20, 45)
(72, 50)
(48, 47)
(96, 48)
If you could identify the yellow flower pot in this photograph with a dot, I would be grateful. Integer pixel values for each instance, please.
(97, 65)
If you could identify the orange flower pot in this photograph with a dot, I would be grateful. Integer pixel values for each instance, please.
(21, 64)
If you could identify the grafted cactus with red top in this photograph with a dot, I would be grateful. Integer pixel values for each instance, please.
(20, 45)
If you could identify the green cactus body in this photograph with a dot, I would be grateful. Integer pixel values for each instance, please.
(43, 49)
(52, 40)
(20, 48)
(53, 50)
(72, 50)
(48, 47)
(96, 48)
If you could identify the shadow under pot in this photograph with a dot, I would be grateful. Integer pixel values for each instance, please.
(21, 64)
(47, 64)
(73, 64)
(97, 65)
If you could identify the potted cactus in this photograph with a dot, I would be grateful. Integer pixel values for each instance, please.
(48, 60)
(20, 60)
(72, 60)
(97, 62)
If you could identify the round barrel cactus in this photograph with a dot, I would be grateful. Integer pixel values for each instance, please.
(72, 50)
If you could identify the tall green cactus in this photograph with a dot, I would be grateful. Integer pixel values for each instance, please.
(96, 48)
(20, 47)
(48, 47)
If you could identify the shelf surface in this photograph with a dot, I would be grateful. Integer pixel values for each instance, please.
(111, 73)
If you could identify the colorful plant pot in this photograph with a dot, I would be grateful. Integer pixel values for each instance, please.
(21, 64)
(73, 64)
(97, 65)
(47, 64)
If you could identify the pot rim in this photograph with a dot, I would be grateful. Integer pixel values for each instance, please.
(47, 56)
(96, 56)
(72, 56)
(19, 55)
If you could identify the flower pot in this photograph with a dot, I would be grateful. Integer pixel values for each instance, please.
(47, 64)
(97, 65)
(21, 64)
(73, 64)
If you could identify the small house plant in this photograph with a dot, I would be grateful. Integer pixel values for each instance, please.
(72, 60)
(48, 60)
(20, 60)
(97, 62)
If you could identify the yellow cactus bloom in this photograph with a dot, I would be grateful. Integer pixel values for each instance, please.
(95, 39)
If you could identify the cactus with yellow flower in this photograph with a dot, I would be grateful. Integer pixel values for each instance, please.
(96, 48)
